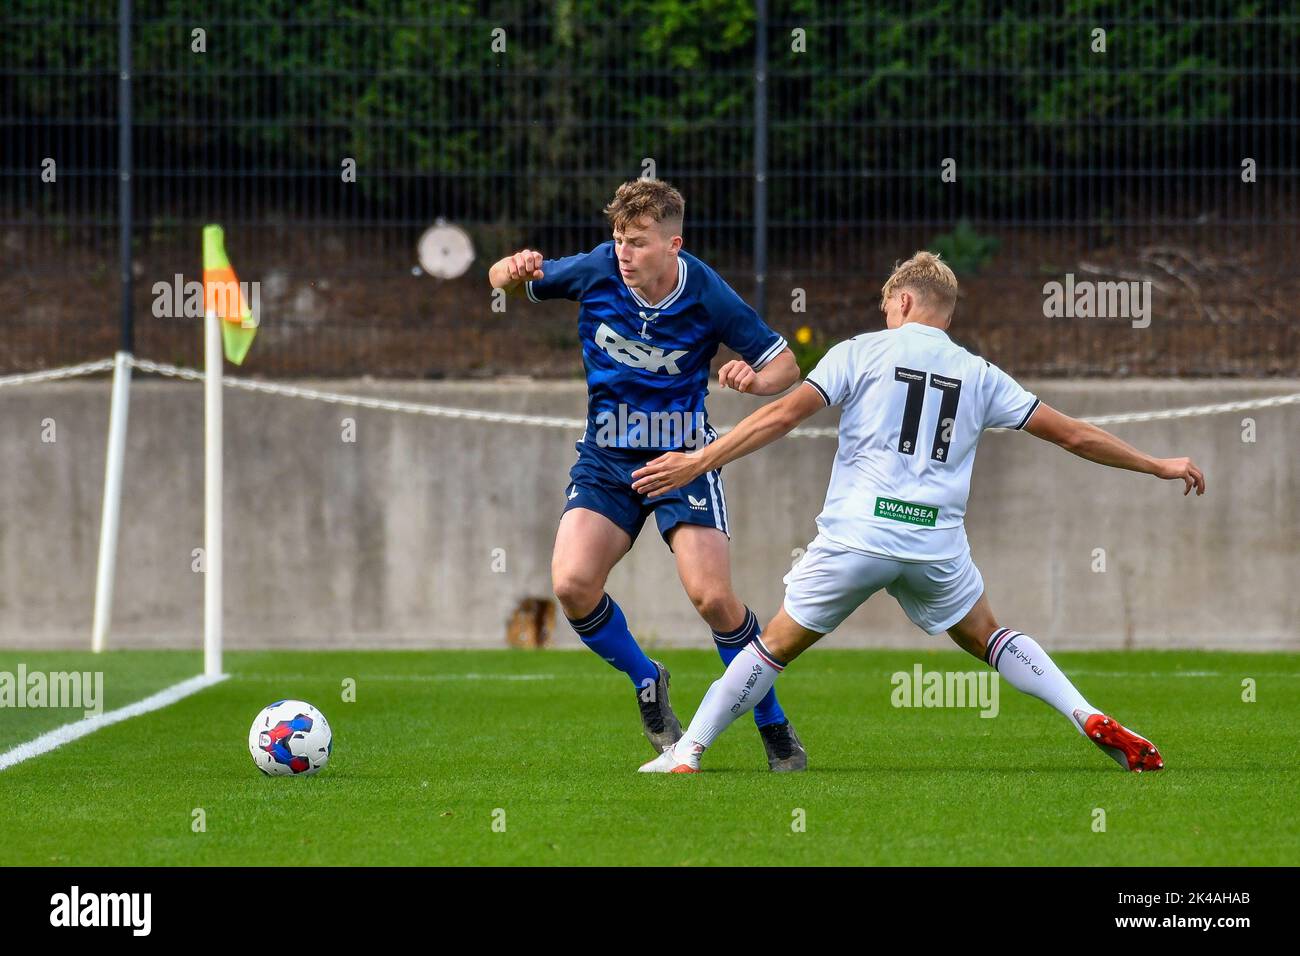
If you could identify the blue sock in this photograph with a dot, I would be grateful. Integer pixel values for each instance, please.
(605, 631)
(729, 645)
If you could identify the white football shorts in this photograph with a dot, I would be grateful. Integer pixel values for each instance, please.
(830, 582)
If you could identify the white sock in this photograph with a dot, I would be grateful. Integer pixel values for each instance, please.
(1026, 666)
(746, 681)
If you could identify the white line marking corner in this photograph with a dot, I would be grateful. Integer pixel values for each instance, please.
(59, 736)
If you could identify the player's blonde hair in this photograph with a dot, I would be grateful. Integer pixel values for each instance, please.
(927, 277)
(646, 197)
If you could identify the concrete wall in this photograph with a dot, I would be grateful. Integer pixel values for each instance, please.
(389, 541)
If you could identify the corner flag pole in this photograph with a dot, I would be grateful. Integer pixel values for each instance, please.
(213, 357)
(229, 326)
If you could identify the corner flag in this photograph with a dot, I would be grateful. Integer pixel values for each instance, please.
(223, 295)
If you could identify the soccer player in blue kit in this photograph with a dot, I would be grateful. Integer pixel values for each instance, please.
(651, 317)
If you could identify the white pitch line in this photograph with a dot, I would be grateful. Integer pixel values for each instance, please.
(1245, 672)
(278, 678)
(88, 725)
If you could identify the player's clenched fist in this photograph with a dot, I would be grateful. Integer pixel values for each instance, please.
(738, 375)
(526, 265)
(514, 270)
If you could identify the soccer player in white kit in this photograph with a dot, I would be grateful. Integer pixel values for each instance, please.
(914, 406)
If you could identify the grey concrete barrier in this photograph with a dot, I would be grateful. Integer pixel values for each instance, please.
(425, 532)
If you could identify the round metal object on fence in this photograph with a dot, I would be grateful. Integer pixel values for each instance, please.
(445, 250)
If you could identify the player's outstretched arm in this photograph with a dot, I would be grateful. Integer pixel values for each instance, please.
(514, 270)
(1096, 444)
(676, 469)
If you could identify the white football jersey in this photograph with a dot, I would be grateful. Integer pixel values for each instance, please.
(913, 407)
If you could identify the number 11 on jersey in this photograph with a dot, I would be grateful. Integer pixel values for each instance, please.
(949, 388)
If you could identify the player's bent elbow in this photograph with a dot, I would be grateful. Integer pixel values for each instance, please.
(784, 370)
(1069, 439)
(789, 421)
(1080, 436)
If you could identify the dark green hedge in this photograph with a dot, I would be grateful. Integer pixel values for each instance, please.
(415, 93)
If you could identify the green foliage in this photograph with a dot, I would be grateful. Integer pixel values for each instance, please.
(809, 353)
(964, 249)
(405, 86)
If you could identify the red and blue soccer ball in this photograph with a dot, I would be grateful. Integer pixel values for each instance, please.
(290, 738)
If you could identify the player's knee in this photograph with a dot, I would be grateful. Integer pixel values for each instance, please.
(716, 606)
(578, 594)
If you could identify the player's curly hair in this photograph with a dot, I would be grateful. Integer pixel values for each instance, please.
(645, 197)
(928, 277)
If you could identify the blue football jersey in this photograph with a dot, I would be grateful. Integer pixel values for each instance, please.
(648, 363)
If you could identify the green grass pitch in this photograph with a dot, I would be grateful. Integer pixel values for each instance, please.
(437, 744)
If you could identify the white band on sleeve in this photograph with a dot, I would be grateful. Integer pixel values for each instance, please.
(776, 349)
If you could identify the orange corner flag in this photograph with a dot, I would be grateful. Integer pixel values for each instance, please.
(224, 296)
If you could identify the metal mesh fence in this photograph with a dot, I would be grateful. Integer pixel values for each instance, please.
(1023, 143)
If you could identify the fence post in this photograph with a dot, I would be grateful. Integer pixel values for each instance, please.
(124, 168)
(110, 516)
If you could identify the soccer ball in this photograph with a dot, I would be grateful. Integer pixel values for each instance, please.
(290, 737)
